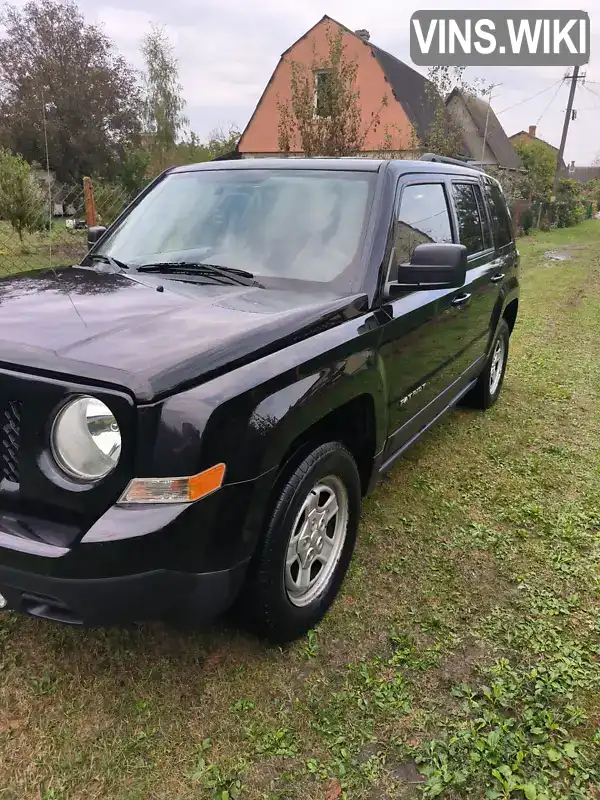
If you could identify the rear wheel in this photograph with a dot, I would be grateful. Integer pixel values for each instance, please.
(489, 384)
(307, 547)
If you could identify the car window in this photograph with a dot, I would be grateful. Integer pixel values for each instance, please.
(470, 232)
(488, 242)
(498, 212)
(423, 218)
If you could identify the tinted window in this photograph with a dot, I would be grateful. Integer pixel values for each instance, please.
(423, 218)
(469, 220)
(499, 215)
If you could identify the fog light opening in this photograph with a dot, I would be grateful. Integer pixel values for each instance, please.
(3, 601)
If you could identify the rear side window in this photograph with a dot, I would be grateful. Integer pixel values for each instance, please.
(423, 218)
(499, 215)
(473, 229)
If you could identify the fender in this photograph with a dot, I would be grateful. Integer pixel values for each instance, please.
(508, 293)
(290, 412)
(248, 417)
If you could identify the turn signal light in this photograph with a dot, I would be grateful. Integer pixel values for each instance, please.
(174, 490)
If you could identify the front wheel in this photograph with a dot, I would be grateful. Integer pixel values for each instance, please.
(489, 384)
(303, 557)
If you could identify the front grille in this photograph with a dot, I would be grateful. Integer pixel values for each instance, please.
(10, 439)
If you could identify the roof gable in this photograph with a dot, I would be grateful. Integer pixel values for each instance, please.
(488, 126)
(412, 90)
(409, 88)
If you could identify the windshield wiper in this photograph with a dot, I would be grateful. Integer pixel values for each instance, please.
(114, 262)
(200, 268)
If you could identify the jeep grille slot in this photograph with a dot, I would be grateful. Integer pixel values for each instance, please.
(10, 440)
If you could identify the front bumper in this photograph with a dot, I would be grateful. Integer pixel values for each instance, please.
(124, 599)
(133, 563)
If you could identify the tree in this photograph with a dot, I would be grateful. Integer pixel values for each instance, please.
(220, 142)
(22, 201)
(54, 65)
(163, 104)
(538, 161)
(444, 134)
(132, 172)
(337, 128)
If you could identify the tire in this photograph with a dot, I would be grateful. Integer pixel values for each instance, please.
(283, 599)
(489, 384)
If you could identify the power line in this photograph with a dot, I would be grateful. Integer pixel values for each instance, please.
(585, 86)
(558, 88)
(527, 99)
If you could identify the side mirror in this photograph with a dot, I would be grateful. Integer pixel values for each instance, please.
(95, 233)
(433, 266)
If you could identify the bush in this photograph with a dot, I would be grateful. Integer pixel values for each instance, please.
(22, 199)
(568, 208)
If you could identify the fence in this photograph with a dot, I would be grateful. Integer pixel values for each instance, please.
(48, 227)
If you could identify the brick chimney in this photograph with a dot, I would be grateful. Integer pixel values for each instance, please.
(532, 130)
(363, 34)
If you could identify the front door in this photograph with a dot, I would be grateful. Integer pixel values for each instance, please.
(422, 339)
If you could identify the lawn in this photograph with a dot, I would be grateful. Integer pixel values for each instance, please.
(60, 248)
(462, 659)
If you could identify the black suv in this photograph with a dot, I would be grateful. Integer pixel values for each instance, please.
(191, 416)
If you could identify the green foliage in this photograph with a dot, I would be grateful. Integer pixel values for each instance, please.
(333, 125)
(591, 192)
(52, 59)
(133, 169)
(568, 210)
(163, 103)
(538, 161)
(221, 142)
(22, 200)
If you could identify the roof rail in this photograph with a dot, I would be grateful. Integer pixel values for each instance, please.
(447, 160)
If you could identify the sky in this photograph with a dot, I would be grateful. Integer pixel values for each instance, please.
(228, 50)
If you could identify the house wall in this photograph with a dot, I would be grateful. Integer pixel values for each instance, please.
(261, 135)
(473, 139)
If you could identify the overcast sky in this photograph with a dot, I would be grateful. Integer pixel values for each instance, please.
(228, 50)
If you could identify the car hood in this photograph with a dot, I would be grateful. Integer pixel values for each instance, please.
(148, 334)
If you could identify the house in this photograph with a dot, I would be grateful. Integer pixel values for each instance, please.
(583, 174)
(404, 120)
(531, 136)
(485, 140)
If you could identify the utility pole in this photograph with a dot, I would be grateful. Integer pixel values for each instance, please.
(563, 141)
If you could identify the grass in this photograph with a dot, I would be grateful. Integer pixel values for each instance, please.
(462, 659)
(60, 248)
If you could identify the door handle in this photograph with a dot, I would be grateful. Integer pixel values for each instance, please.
(461, 300)
(497, 278)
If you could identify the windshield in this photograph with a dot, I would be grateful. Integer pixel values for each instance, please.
(303, 225)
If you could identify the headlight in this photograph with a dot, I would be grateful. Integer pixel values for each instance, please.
(86, 440)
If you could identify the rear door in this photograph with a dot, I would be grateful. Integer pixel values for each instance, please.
(423, 333)
(506, 256)
(481, 290)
